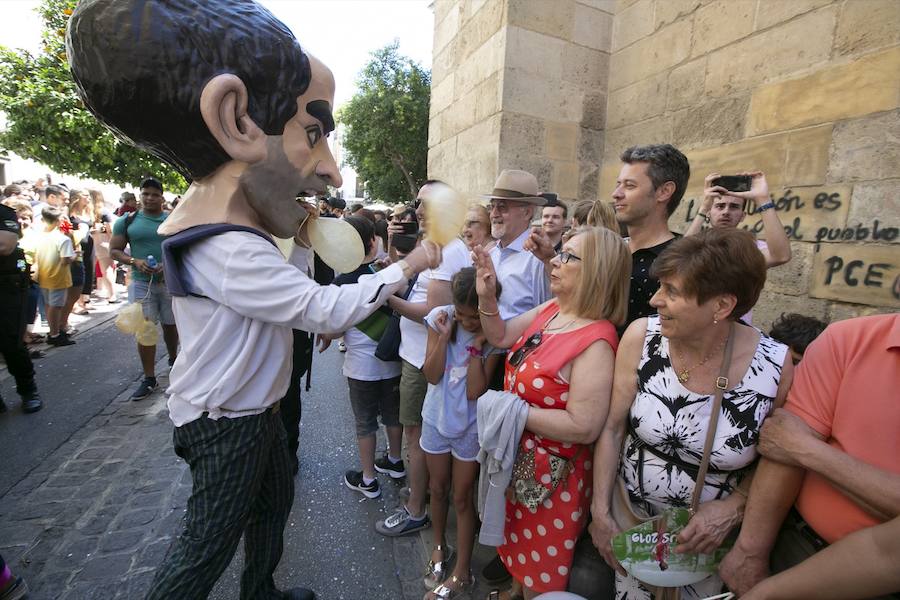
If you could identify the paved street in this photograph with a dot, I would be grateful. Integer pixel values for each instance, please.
(92, 494)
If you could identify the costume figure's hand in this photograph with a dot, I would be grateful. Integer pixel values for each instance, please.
(603, 529)
(785, 437)
(485, 276)
(538, 243)
(707, 528)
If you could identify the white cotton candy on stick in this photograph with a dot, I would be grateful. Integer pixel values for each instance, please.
(445, 213)
(337, 243)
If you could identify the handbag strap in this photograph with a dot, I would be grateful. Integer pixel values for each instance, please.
(721, 386)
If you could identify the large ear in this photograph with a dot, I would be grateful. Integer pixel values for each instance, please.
(223, 104)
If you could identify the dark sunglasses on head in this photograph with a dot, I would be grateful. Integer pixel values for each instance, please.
(516, 358)
(565, 257)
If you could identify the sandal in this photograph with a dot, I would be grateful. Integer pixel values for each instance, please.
(437, 571)
(445, 592)
(33, 338)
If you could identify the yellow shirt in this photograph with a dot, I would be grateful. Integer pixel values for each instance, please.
(50, 248)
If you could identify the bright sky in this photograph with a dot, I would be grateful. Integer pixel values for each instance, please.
(342, 33)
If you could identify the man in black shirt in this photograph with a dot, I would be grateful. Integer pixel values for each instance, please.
(650, 185)
(14, 283)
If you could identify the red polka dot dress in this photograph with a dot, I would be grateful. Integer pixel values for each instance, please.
(539, 544)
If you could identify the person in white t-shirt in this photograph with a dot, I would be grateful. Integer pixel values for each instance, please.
(432, 288)
(374, 384)
(458, 365)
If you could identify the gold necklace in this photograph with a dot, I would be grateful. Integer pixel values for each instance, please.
(685, 374)
(547, 327)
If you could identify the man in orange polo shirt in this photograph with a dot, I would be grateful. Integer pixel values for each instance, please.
(832, 455)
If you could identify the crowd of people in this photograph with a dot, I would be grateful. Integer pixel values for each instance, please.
(607, 344)
(578, 364)
(71, 252)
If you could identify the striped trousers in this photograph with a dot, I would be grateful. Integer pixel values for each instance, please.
(242, 484)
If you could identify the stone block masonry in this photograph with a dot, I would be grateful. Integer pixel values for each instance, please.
(806, 90)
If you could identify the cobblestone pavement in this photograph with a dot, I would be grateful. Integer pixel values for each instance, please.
(95, 518)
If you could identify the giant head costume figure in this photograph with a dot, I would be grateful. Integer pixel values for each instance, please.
(221, 90)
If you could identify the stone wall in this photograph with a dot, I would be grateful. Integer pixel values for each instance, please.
(806, 90)
(519, 84)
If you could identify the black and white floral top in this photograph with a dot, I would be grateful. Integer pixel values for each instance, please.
(672, 420)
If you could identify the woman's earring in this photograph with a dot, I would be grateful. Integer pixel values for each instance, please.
(715, 321)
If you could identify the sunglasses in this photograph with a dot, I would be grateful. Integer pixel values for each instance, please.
(565, 257)
(516, 358)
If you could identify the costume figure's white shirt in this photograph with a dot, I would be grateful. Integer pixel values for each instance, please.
(235, 359)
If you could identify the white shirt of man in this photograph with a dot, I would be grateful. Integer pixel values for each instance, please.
(522, 275)
(413, 335)
(236, 339)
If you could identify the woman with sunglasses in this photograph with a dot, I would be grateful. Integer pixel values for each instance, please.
(561, 363)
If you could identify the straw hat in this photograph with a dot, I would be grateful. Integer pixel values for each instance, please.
(520, 186)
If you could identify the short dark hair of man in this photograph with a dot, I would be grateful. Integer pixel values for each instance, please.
(364, 213)
(54, 190)
(796, 331)
(355, 207)
(51, 214)
(126, 197)
(381, 230)
(12, 190)
(716, 261)
(553, 201)
(158, 56)
(665, 163)
(365, 229)
(335, 202)
(152, 182)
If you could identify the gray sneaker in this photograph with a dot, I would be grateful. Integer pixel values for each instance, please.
(147, 387)
(400, 523)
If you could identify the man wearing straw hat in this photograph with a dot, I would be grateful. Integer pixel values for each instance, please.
(513, 204)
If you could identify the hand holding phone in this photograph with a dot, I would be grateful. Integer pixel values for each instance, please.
(733, 183)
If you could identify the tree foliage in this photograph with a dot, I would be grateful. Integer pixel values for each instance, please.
(386, 125)
(48, 123)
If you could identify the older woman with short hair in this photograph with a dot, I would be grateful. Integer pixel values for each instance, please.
(477, 227)
(665, 382)
(561, 363)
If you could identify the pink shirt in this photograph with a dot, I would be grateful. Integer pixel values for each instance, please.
(846, 388)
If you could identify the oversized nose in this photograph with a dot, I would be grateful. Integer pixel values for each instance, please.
(327, 169)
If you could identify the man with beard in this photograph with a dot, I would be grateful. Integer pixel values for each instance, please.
(221, 90)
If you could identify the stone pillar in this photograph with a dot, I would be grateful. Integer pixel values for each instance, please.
(520, 84)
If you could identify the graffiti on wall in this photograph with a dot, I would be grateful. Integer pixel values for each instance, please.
(816, 215)
(867, 274)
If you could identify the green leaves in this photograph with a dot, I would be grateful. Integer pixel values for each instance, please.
(48, 123)
(386, 126)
